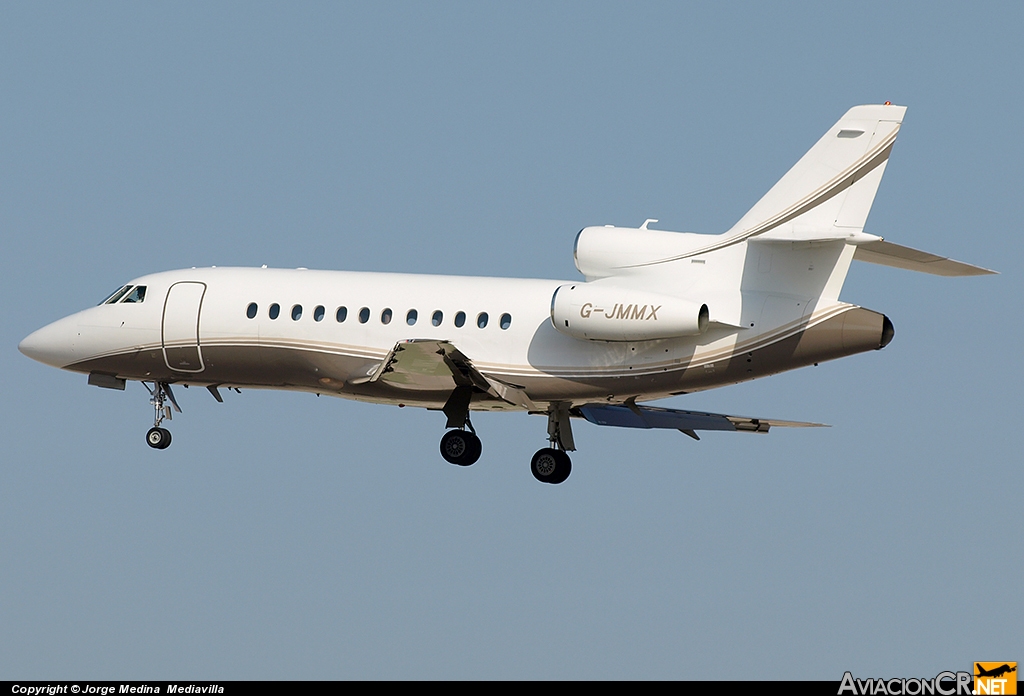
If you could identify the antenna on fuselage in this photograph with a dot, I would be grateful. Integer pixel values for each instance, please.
(647, 222)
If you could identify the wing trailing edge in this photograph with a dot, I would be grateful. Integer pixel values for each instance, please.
(631, 415)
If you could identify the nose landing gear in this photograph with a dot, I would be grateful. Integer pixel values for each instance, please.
(157, 437)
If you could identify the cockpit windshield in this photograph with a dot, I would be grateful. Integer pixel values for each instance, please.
(122, 294)
(116, 295)
(136, 295)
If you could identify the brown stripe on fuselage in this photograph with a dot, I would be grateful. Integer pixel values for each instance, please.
(853, 331)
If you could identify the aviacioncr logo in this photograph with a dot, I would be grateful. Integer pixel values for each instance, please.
(944, 684)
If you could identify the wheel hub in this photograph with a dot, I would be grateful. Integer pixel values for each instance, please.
(546, 465)
(455, 447)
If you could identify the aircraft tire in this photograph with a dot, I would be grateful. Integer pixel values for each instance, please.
(476, 450)
(551, 465)
(158, 438)
(460, 447)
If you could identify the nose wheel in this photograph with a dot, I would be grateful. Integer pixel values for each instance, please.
(158, 438)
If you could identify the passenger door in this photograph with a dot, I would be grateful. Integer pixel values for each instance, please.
(181, 327)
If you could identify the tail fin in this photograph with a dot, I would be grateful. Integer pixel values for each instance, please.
(824, 197)
(827, 195)
(829, 192)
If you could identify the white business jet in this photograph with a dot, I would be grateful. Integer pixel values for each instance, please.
(658, 314)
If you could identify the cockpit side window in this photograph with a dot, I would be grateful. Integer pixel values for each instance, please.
(116, 295)
(136, 295)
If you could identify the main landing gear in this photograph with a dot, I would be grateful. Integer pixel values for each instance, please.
(159, 395)
(552, 464)
(460, 446)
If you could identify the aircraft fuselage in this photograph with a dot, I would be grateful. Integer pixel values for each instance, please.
(193, 327)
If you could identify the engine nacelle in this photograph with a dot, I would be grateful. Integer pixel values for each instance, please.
(601, 252)
(610, 313)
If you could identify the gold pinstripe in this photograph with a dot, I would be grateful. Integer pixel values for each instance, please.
(510, 370)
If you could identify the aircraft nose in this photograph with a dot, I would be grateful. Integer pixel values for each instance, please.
(52, 344)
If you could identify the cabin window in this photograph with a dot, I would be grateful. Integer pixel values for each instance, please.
(116, 295)
(251, 310)
(318, 313)
(460, 319)
(275, 310)
(506, 321)
(364, 315)
(296, 312)
(385, 316)
(481, 320)
(411, 316)
(136, 295)
(342, 314)
(437, 318)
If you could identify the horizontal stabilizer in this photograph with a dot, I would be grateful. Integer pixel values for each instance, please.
(889, 254)
(633, 416)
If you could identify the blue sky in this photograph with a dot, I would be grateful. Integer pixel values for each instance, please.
(285, 536)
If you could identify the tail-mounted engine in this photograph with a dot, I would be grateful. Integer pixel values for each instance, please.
(609, 313)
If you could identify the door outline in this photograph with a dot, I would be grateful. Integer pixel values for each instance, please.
(181, 353)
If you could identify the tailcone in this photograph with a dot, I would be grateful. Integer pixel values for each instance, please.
(856, 330)
(887, 332)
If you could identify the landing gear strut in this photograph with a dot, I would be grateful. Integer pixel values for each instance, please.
(552, 464)
(159, 395)
(460, 446)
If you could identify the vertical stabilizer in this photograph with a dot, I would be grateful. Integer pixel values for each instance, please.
(829, 192)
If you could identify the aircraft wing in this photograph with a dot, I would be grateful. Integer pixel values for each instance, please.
(430, 365)
(633, 416)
